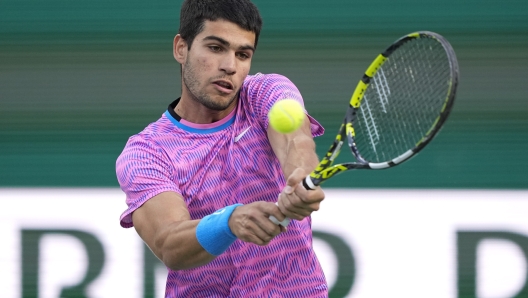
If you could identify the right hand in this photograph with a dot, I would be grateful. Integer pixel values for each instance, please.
(295, 201)
(251, 223)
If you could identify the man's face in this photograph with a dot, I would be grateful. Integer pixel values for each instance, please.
(217, 64)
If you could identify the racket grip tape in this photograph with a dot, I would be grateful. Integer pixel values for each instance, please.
(283, 223)
(308, 183)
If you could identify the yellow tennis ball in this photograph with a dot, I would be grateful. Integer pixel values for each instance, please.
(286, 115)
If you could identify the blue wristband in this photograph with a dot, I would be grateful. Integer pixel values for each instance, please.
(213, 232)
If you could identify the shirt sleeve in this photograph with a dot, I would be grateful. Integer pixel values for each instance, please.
(264, 91)
(142, 172)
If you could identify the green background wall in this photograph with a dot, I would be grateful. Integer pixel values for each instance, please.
(77, 78)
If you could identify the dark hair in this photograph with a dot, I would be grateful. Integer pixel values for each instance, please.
(194, 13)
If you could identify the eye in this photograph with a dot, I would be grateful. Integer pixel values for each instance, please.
(243, 55)
(215, 48)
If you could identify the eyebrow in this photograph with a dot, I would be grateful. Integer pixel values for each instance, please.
(227, 44)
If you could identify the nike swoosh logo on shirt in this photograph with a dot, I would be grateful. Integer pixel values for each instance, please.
(237, 138)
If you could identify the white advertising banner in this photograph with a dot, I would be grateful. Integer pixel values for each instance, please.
(371, 243)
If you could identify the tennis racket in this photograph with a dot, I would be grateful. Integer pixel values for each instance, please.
(397, 108)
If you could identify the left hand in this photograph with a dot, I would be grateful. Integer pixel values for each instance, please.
(295, 201)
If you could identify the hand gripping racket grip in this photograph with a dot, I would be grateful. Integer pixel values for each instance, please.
(308, 185)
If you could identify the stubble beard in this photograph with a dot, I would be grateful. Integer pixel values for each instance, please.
(192, 84)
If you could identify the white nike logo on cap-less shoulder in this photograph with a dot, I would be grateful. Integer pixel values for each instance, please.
(237, 138)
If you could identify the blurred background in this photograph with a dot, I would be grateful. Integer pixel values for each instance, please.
(77, 78)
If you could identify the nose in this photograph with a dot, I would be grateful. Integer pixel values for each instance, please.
(228, 64)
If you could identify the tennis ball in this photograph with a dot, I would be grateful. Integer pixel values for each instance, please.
(286, 115)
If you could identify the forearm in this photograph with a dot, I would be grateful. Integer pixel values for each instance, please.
(297, 156)
(177, 247)
(296, 150)
(165, 225)
(300, 153)
(182, 243)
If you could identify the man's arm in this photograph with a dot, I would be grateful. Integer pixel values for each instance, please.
(164, 224)
(297, 156)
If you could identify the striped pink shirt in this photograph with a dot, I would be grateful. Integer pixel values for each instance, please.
(220, 164)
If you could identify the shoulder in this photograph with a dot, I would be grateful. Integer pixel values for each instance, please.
(260, 82)
(260, 91)
(152, 139)
(265, 89)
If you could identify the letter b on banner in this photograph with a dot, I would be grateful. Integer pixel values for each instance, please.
(467, 244)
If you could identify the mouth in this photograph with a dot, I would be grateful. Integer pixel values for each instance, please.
(224, 86)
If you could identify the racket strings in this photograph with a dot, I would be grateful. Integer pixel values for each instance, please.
(403, 101)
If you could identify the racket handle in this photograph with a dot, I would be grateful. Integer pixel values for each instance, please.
(283, 223)
(308, 185)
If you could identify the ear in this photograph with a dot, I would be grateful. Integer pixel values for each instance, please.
(179, 49)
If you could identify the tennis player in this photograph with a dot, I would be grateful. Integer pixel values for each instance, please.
(202, 181)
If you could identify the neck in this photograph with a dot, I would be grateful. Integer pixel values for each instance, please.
(195, 112)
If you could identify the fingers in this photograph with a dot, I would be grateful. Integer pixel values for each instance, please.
(251, 223)
(295, 201)
(297, 206)
(294, 179)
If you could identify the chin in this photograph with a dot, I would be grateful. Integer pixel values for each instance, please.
(221, 104)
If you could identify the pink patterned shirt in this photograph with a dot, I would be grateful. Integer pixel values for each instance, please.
(215, 165)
